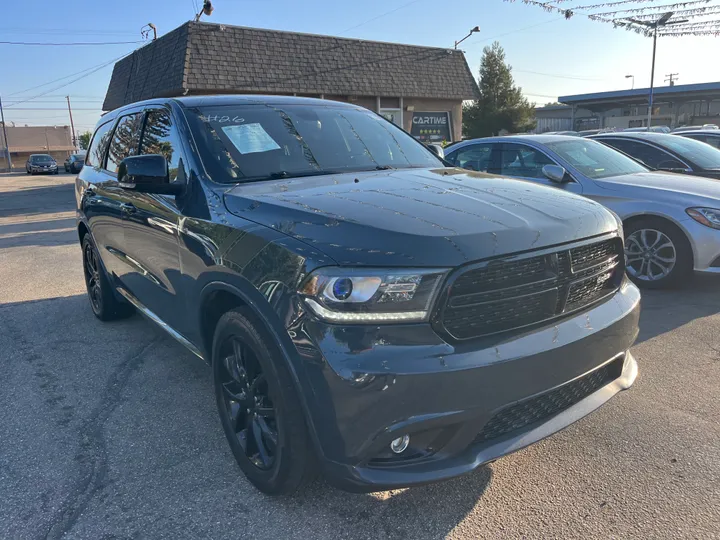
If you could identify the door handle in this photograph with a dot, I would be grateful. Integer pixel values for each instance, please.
(128, 208)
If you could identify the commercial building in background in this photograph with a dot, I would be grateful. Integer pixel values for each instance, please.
(678, 105)
(418, 88)
(27, 140)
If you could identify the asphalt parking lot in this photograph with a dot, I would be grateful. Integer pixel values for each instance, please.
(110, 430)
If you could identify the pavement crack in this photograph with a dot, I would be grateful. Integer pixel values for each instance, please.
(92, 451)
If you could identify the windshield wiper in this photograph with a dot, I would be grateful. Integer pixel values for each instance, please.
(383, 168)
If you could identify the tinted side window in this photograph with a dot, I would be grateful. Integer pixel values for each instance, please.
(99, 145)
(522, 161)
(161, 137)
(475, 157)
(649, 155)
(125, 140)
(709, 139)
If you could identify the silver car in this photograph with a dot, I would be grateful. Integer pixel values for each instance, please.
(671, 221)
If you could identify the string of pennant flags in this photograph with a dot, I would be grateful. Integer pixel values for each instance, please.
(635, 18)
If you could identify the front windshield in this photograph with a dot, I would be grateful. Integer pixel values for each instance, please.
(259, 142)
(41, 159)
(594, 159)
(704, 155)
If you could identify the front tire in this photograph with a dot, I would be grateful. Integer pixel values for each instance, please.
(104, 304)
(260, 410)
(657, 253)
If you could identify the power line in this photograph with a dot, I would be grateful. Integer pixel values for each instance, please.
(56, 80)
(381, 15)
(69, 44)
(52, 109)
(76, 79)
(556, 75)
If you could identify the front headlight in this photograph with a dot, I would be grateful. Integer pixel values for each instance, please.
(710, 217)
(359, 295)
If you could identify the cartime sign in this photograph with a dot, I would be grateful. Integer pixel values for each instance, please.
(431, 126)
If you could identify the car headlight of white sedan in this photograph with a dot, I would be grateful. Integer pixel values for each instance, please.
(710, 217)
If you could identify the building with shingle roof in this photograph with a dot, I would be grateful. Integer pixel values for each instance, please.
(419, 88)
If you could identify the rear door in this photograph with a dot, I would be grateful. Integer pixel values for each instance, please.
(151, 227)
(99, 201)
(474, 157)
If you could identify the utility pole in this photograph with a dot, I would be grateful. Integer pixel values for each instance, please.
(72, 126)
(7, 144)
(671, 78)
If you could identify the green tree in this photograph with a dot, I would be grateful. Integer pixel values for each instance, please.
(501, 105)
(84, 140)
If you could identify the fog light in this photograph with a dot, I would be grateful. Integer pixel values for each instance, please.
(400, 444)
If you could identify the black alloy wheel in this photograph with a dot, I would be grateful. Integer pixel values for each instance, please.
(259, 406)
(105, 305)
(247, 402)
(91, 266)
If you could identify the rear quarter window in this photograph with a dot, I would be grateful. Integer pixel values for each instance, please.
(99, 145)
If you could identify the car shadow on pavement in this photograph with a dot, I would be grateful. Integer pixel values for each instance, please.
(37, 200)
(431, 511)
(51, 232)
(665, 310)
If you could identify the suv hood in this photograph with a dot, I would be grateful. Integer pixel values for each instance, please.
(418, 217)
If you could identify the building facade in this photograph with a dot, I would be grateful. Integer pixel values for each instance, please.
(419, 88)
(26, 140)
(673, 106)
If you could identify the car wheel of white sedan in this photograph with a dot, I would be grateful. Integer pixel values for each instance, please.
(657, 254)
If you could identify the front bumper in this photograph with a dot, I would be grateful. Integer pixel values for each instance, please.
(705, 245)
(44, 169)
(370, 385)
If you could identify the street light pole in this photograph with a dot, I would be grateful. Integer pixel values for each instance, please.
(476, 29)
(7, 144)
(662, 21)
(633, 81)
(652, 75)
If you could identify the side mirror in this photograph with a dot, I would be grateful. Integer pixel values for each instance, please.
(437, 150)
(147, 174)
(555, 173)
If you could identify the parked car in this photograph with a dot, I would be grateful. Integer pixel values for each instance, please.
(686, 128)
(667, 152)
(653, 129)
(574, 133)
(672, 222)
(74, 162)
(588, 132)
(366, 310)
(709, 136)
(41, 163)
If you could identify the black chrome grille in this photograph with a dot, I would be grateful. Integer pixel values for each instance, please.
(512, 293)
(544, 406)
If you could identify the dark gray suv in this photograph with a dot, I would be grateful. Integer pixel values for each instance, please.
(368, 312)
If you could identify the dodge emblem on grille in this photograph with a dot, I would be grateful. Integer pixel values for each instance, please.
(602, 278)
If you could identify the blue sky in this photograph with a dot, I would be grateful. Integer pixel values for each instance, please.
(550, 56)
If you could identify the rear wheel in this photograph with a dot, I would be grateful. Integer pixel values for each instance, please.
(104, 304)
(259, 407)
(657, 254)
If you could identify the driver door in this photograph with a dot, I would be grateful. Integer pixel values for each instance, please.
(522, 161)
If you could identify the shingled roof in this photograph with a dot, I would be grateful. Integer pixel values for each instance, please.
(204, 58)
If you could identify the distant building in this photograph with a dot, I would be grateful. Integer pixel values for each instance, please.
(418, 88)
(26, 140)
(678, 105)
